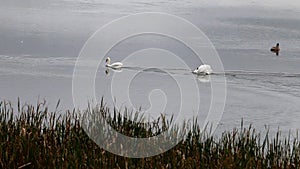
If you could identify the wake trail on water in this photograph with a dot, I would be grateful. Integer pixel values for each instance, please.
(232, 73)
(260, 73)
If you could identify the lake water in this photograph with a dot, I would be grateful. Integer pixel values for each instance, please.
(41, 40)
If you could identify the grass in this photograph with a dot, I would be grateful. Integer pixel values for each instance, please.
(34, 137)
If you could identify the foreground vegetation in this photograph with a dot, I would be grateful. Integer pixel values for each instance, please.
(34, 137)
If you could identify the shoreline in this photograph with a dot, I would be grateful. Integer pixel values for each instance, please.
(31, 138)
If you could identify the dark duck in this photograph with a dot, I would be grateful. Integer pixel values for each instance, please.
(275, 49)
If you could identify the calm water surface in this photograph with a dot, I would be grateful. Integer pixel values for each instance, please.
(40, 42)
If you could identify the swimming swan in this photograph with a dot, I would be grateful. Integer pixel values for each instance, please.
(275, 49)
(203, 69)
(116, 65)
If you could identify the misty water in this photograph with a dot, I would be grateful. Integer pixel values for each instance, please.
(40, 42)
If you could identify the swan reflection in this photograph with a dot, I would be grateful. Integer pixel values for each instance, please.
(107, 71)
(203, 78)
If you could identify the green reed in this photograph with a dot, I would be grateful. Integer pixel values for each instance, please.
(34, 137)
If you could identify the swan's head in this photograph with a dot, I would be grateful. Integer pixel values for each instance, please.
(196, 70)
(107, 60)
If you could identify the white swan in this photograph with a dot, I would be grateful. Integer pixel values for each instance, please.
(116, 65)
(203, 69)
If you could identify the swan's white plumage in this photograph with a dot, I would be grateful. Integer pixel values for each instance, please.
(203, 69)
(116, 65)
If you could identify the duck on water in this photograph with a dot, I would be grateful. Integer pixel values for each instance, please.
(275, 49)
